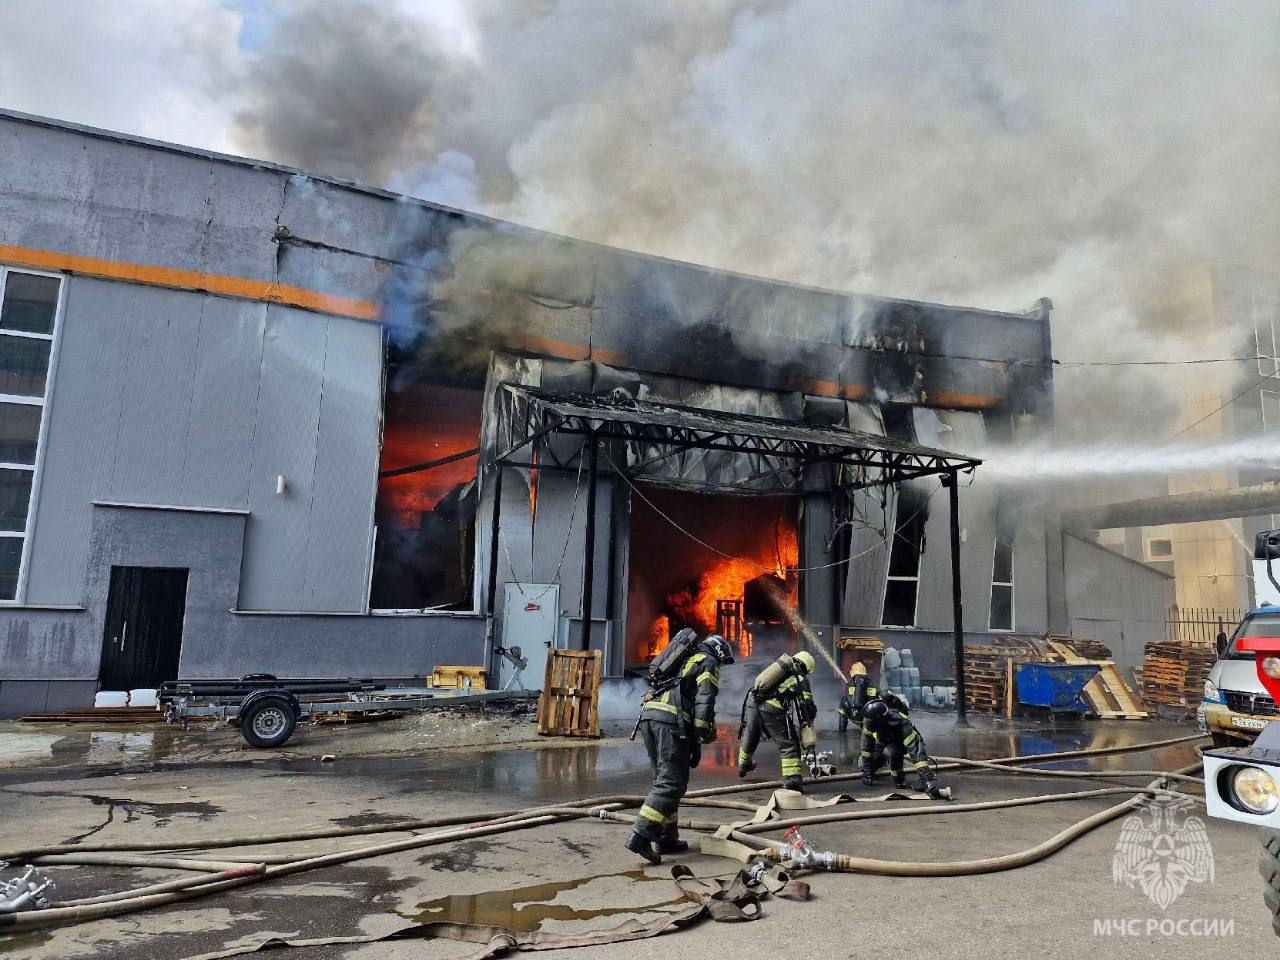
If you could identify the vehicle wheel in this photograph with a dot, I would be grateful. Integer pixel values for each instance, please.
(1270, 867)
(1222, 740)
(268, 722)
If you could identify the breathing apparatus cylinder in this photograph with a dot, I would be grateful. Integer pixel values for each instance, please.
(774, 674)
(808, 737)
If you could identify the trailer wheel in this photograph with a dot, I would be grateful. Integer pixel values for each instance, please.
(268, 722)
(1270, 866)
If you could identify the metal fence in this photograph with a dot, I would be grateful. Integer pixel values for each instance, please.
(1200, 625)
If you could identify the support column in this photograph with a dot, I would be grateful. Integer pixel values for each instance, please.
(952, 483)
(589, 552)
(493, 541)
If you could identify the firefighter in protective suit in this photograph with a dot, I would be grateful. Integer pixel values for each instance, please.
(858, 692)
(766, 712)
(675, 724)
(888, 734)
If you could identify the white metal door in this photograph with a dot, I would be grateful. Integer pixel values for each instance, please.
(529, 615)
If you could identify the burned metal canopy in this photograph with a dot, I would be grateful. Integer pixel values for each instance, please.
(654, 431)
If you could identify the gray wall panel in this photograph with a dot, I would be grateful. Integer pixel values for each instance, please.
(83, 412)
(346, 469)
(224, 402)
(155, 407)
(274, 573)
(130, 202)
(1113, 598)
(317, 425)
(1030, 602)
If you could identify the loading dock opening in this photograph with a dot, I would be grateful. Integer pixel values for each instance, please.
(633, 436)
(675, 581)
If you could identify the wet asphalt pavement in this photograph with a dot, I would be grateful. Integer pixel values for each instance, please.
(63, 785)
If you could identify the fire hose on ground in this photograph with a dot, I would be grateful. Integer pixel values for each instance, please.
(736, 840)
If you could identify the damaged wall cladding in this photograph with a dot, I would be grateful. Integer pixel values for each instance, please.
(228, 331)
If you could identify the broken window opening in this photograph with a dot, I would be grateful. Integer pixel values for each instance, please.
(902, 583)
(425, 548)
(1001, 616)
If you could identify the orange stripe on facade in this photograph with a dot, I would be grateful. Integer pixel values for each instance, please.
(196, 280)
(305, 299)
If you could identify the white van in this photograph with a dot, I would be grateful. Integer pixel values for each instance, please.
(1236, 706)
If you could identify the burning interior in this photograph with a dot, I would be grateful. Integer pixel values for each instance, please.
(426, 504)
(739, 581)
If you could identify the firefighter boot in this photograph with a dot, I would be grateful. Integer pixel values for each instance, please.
(899, 780)
(672, 844)
(644, 847)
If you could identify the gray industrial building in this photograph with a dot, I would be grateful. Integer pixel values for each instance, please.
(250, 419)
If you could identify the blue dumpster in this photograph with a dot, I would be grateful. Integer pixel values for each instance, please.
(1057, 686)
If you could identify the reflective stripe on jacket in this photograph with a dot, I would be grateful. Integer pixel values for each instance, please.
(691, 703)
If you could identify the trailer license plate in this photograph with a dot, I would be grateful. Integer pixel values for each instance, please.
(1248, 723)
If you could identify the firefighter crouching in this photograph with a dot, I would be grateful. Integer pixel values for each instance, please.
(777, 706)
(677, 716)
(857, 693)
(888, 734)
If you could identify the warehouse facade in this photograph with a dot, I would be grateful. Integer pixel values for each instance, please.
(250, 419)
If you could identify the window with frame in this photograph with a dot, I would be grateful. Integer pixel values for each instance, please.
(28, 322)
(1002, 583)
(902, 582)
(902, 585)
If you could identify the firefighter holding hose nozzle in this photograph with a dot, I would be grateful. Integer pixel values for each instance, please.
(677, 716)
(888, 734)
(780, 706)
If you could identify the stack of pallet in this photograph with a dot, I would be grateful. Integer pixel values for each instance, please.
(1088, 649)
(989, 670)
(986, 670)
(1173, 673)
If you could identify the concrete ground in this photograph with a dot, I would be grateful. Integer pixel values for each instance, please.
(60, 785)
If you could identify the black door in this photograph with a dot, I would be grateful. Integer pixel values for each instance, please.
(143, 634)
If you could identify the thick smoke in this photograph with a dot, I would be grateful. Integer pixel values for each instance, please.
(1112, 156)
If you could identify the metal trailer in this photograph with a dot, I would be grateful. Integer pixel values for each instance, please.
(267, 709)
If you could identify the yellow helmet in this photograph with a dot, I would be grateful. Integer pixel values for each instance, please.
(806, 658)
(859, 669)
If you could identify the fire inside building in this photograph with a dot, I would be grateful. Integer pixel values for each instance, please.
(261, 421)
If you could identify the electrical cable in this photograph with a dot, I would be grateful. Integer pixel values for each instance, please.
(564, 552)
(1223, 406)
(727, 556)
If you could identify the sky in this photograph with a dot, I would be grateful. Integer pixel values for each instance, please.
(1107, 154)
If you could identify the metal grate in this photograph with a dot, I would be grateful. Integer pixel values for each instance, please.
(1257, 704)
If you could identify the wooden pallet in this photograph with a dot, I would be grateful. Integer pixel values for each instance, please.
(1173, 673)
(570, 701)
(1108, 695)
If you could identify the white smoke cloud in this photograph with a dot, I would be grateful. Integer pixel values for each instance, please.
(148, 67)
(1109, 155)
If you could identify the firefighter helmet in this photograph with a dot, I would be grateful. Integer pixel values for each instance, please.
(719, 647)
(805, 658)
(875, 710)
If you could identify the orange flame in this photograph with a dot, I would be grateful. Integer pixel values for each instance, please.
(725, 580)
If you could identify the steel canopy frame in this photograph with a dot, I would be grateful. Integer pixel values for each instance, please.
(527, 415)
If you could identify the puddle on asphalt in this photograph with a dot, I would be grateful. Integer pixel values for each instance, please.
(526, 909)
